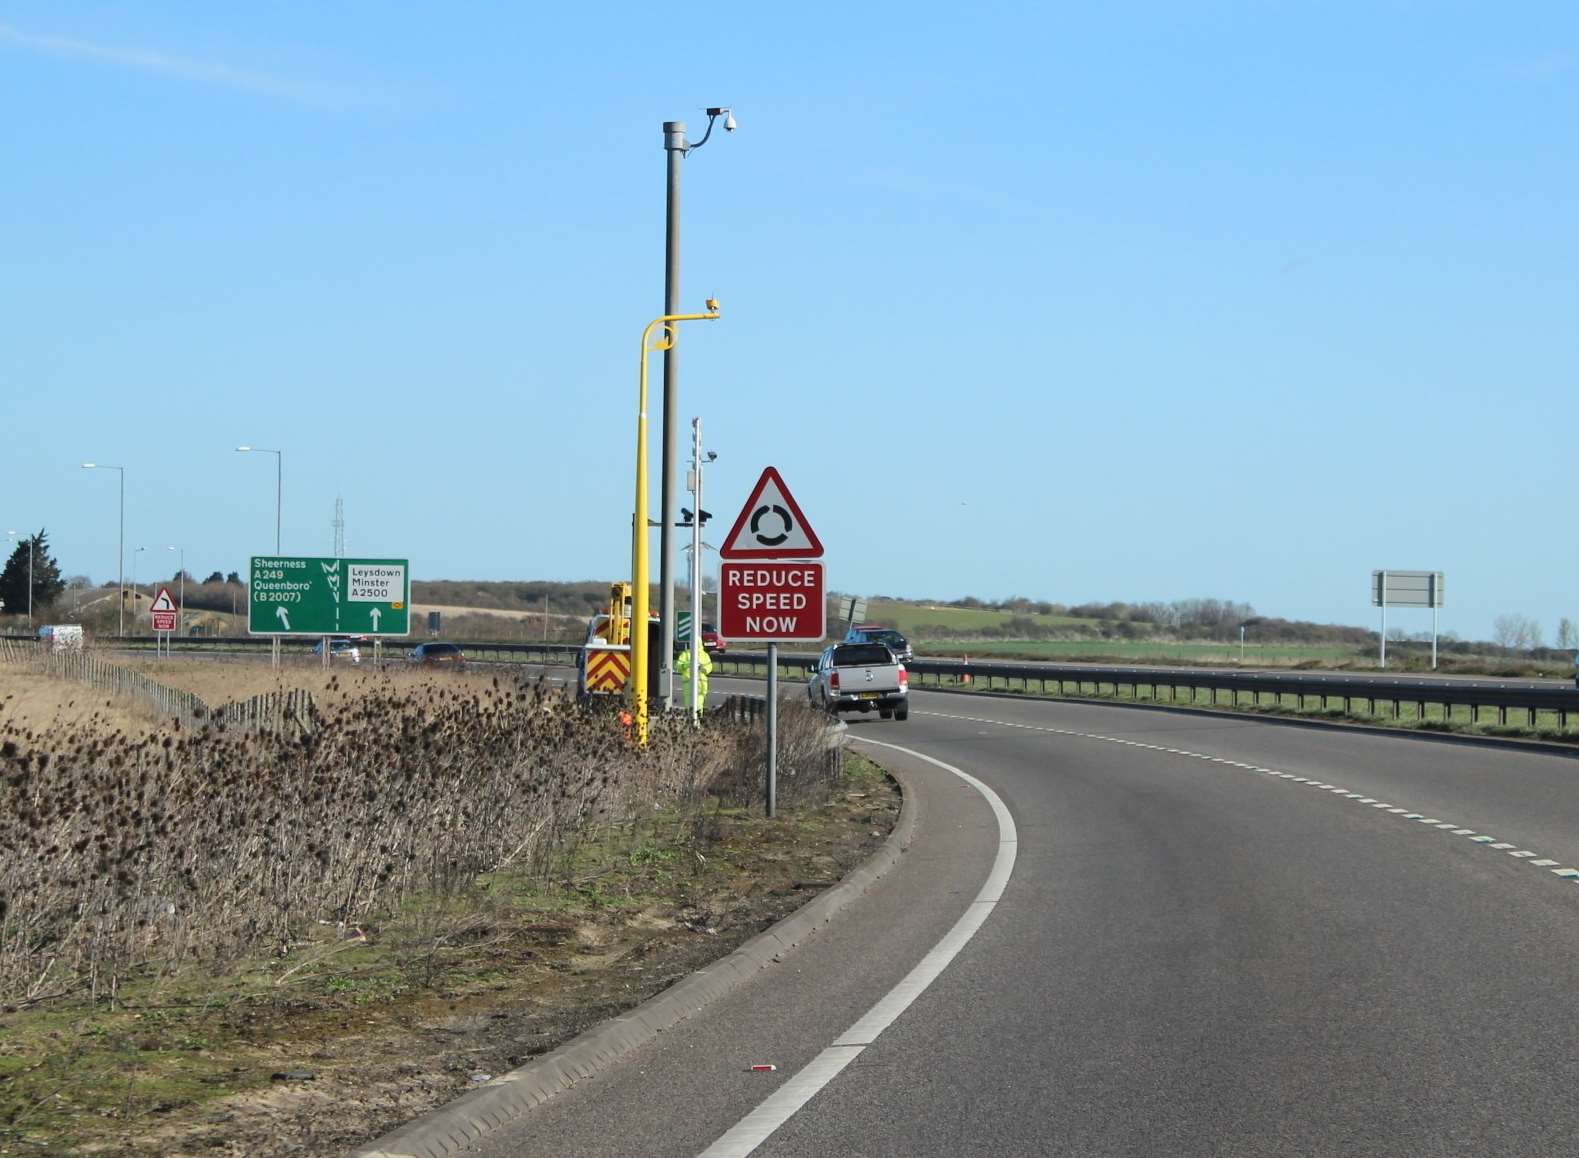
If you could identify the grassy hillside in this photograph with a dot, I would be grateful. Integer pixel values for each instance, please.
(916, 618)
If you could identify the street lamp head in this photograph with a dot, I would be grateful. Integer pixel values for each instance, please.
(89, 465)
(242, 448)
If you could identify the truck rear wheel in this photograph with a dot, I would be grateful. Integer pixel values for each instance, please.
(886, 713)
(902, 713)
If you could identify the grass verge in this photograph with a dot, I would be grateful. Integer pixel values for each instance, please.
(315, 1046)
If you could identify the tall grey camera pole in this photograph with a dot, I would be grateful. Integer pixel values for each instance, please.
(675, 145)
(773, 730)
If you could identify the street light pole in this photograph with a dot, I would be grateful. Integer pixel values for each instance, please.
(135, 553)
(676, 147)
(180, 613)
(120, 561)
(279, 486)
(279, 503)
(640, 562)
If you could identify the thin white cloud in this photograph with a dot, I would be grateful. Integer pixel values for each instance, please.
(160, 64)
(1546, 67)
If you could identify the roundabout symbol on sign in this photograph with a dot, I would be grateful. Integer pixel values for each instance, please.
(784, 518)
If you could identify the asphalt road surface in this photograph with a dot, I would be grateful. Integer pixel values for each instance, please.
(1218, 937)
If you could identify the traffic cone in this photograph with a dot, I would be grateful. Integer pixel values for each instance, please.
(965, 679)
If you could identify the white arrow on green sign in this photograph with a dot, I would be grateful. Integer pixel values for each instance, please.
(312, 595)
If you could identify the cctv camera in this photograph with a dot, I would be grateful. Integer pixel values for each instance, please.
(712, 456)
(729, 122)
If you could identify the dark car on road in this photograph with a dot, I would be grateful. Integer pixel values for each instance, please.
(437, 654)
(873, 633)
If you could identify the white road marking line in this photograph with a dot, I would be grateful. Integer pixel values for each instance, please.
(1435, 822)
(779, 1106)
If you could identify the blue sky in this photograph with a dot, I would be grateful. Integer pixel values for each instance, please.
(1149, 302)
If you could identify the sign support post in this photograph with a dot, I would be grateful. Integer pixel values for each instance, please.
(1384, 619)
(773, 731)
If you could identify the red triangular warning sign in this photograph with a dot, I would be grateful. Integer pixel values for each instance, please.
(771, 525)
(162, 601)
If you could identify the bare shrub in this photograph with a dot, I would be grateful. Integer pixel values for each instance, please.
(807, 765)
(122, 854)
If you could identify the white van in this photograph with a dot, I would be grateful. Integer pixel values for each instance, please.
(62, 636)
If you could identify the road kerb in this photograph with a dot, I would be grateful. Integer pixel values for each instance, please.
(450, 1128)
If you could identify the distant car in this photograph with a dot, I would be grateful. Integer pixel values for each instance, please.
(711, 641)
(436, 654)
(874, 633)
(341, 649)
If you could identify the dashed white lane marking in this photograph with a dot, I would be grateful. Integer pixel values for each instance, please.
(1452, 826)
(779, 1106)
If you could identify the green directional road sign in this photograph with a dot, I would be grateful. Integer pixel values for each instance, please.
(297, 595)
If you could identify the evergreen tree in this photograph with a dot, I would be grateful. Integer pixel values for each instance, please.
(216, 577)
(47, 582)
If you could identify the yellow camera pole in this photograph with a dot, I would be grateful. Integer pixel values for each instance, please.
(640, 564)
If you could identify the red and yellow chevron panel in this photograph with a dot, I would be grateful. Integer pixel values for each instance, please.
(607, 671)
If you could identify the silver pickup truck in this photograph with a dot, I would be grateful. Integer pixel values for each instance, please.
(858, 677)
